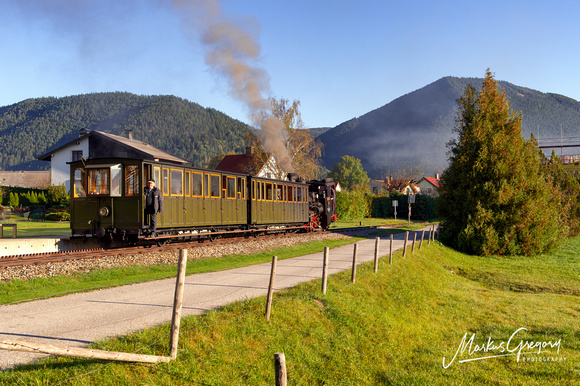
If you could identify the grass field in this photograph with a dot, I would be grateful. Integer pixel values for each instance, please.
(26, 229)
(393, 327)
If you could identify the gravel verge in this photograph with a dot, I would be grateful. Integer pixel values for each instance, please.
(160, 257)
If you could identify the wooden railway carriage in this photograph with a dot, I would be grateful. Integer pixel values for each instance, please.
(107, 200)
(275, 202)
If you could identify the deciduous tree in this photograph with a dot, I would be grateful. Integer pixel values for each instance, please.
(349, 173)
(302, 148)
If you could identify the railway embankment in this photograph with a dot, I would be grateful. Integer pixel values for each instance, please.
(155, 256)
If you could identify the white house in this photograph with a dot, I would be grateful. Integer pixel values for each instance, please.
(246, 163)
(430, 185)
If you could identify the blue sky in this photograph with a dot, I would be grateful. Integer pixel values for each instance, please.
(341, 59)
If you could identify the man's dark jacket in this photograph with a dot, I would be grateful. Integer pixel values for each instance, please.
(153, 200)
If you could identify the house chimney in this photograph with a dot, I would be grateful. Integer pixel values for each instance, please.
(129, 133)
(437, 176)
(249, 150)
(83, 131)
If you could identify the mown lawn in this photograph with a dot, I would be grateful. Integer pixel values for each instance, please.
(26, 229)
(394, 327)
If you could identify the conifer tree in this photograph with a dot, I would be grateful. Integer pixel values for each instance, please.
(494, 198)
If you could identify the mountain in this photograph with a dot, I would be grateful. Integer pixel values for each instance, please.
(415, 128)
(177, 126)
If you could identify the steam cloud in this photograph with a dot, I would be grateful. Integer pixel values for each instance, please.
(233, 52)
(232, 49)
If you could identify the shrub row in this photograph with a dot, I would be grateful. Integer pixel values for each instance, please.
(353, 205)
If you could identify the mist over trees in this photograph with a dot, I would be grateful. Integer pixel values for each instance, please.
(494, 197)
(416, 127)
(300, 146)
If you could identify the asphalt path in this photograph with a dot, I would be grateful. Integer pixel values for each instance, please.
(80, 319)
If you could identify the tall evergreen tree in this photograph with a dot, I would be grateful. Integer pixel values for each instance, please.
(494, 198)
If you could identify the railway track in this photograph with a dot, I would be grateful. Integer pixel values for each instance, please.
(44, 258)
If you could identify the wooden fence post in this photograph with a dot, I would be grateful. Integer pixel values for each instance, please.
(391, 251)
(271, 287)
(325, 269)
(414, 239)
(376, 268)
(178, 302)
(405, 245)
(422, 237)
(354, 257)
(280, 369)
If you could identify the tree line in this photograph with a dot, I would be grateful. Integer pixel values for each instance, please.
(177, 126)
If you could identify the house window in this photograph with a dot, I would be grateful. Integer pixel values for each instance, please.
(77, 155)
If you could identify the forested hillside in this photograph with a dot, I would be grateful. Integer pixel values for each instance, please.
(416, 127)
(185, 129)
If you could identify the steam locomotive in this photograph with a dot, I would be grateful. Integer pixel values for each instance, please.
(108, 202)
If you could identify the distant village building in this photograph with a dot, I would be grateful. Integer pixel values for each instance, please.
(377, 186)
(404, 186)
(430, 185)
(96, 144)
(25, 179)
(248, 163)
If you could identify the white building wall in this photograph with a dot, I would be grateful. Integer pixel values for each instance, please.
(59, 170)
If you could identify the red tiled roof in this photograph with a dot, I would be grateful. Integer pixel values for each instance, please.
(237, 163)
(433, 181)
(26, 179)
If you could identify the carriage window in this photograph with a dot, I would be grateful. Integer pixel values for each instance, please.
(187, 184)
(206, 186)
(116, 180)
(197, 185)
(299, 194)
(215, 186)
(131, 180)
(290, 195)
(165, 181)
(278, 192)
(99, 181)
(157, 175)
(80, 183)
(176, 182)
(269, 191)
(241, 188)
(231, 187)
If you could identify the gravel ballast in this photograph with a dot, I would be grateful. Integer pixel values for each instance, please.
(155, 257)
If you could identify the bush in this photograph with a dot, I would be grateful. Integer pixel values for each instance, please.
(60, 215)
(352, 205)
(14, 200)
(57, 197)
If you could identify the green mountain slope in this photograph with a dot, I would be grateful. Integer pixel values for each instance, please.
(175, 125)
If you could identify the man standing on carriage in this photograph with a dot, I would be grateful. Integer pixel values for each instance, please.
(153, 205)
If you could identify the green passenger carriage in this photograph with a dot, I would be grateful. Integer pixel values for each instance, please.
(107, 201)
